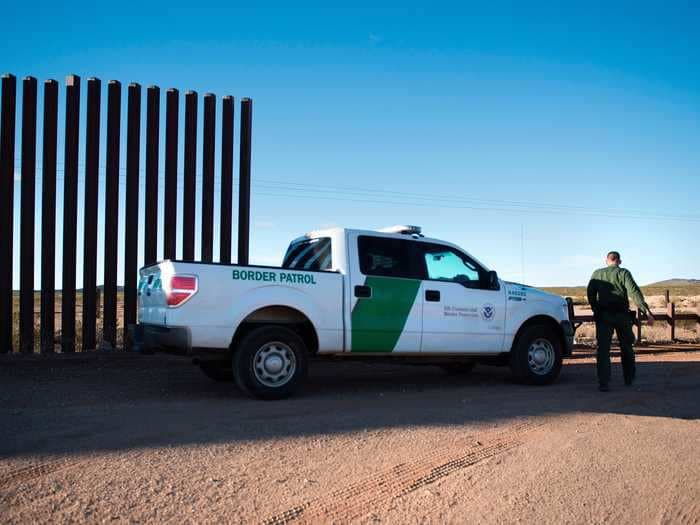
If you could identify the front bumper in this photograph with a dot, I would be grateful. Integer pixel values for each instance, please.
(149, 338)
(568, 330)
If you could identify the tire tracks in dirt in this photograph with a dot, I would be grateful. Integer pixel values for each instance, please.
(32, 472)
(360, 498)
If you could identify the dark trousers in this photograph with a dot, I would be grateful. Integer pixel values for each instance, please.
(606, 324)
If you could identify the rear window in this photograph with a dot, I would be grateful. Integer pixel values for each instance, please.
(390, 257)
(311, 254)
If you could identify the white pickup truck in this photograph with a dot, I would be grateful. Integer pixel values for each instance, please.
(391, 293)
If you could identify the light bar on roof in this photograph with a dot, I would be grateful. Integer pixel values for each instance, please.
(402, 228)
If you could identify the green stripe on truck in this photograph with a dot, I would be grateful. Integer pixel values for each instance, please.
(377, 321)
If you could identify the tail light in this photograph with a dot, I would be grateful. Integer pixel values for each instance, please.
(180, 289)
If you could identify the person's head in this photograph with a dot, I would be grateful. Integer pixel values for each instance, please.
(613, 259)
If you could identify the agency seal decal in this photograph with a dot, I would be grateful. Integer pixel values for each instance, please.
(488, 312)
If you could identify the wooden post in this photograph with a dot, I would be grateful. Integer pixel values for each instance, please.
(668, 297)
(697, 320)
(638, 324)
(671, 312)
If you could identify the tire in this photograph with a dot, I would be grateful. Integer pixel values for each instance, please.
(218, 371)
(536, 357)
(459, 369)
(258, 356)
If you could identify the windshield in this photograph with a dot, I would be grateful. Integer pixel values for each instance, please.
(309, 254)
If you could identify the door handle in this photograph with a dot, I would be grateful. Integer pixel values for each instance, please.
(363, 291)
(432, 296)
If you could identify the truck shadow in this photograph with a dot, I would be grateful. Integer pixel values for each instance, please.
(100, 404)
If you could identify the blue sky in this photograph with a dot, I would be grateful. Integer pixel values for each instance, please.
(537, 137)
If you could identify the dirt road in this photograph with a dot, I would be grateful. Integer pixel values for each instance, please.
(150, 439)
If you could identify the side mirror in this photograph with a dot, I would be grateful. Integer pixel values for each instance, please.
(492, 280)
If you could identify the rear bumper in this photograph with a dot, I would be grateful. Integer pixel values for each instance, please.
(568, 330)
(149, 338)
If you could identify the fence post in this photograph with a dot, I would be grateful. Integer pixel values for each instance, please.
(150, 236)
(48, 217)
(131, 225)
(638, 324)
(92, 177)
(7, 189)
(244, 182)
(189, 183)
(26, 260)
(697, 320)
(667, 295)
(226, 179)
(109, 322)
(671, 312)
(170, 186)
(70, 213)
(208, 152)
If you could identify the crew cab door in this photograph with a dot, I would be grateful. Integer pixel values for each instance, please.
(461, 314)
(384, 305)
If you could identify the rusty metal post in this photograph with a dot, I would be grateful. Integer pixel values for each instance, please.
(671, 313)
(92, 176)
(150, 248)
(7, 188)
(189, 190)
(226, 180)
(26, 250)
(109, 322)
(70, 213)
(244, 175)
(48, 216)
(131, 225)
(208, 153)
(170, 188)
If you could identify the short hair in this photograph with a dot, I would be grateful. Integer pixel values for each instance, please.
(614, 256)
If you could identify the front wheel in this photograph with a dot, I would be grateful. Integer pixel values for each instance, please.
(536, 358)
(270, 362)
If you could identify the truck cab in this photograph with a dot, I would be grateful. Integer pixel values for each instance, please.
(391, 293)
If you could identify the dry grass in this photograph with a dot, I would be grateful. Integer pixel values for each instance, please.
(57, 322)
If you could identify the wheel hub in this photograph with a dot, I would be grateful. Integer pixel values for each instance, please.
(274, 364)
(541, 356)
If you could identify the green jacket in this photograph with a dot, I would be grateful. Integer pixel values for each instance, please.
(611, 288)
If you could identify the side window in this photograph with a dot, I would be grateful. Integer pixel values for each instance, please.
(445, 264)
(312, 254)
(389, 257)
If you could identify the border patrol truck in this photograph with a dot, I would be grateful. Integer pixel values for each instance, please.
(355, 294)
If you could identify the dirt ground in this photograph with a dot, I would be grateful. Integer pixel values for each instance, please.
(129, 438)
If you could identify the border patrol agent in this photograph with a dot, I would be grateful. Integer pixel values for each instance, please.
(609, 292)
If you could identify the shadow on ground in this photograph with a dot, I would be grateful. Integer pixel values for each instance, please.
(120, 401)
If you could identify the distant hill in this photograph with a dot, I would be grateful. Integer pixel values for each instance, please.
(677, 282)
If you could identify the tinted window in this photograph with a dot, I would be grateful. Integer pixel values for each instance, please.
(446, 264)
(311, 254)
(390, 257)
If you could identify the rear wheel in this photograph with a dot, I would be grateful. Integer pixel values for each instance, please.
(270, 362)
(218, 371)
(536, 357)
